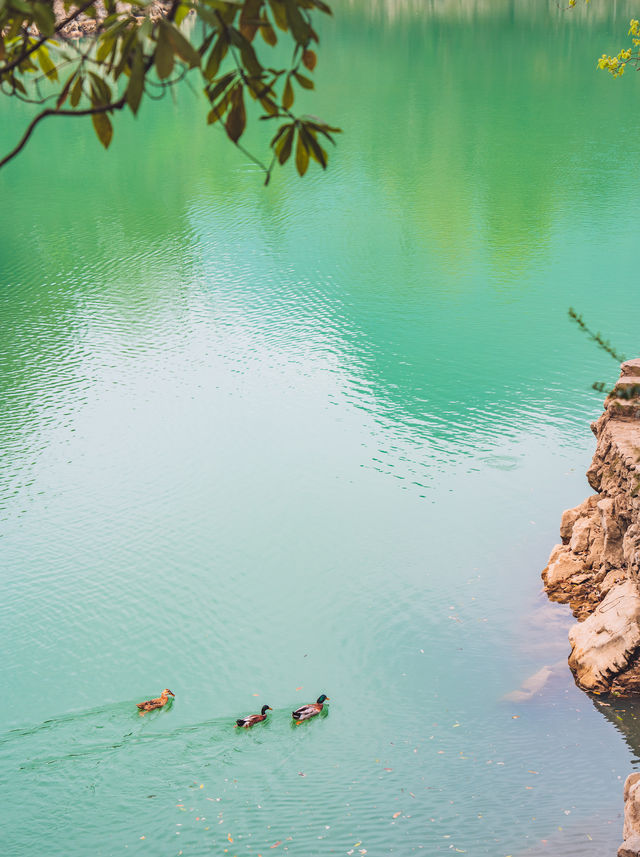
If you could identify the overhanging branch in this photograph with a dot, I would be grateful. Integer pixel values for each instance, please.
(89, 111)
(16, 62)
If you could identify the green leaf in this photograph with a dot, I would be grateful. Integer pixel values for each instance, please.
(302, 156)
(105, 45)
(46, 63)
(237, 118)
(44, 18)
(221, 85)
(249, 58)
(287, 95)
(76, 92)
(269, 106)
(60, 100)
(219, 109)
(281, 130)
(282, 148)
(250, 18)
(181, 45)
(181, 13)
(322, 128)
(14, 29)
(103, 128)
(135, 89)
(207, 15)
(267, 31)
(309, 59)
(163, 57)
(16, 83)
(20, 6)
(125, 51)
(299, 28)
(101, 88)
(227, 10)
(314, 148)
(279, 14)
(145, 29)
(304, 82)
(218, 53)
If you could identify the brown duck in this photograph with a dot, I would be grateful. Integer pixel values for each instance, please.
(152, 704)
(252, 719)
(310, 710)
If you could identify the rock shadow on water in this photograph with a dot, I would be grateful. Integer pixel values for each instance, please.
(624, 714)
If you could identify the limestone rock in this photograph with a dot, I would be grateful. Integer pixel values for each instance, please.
(570, 516)
(631, 797)
(610, 579)
(630, 847)
(631, 546)
(631, 367)
(579, 542)
(603, 644)
(563, 564)
(598, 561)
(627, 682)
(84, 24)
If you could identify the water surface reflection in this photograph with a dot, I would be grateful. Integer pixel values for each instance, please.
(264, 444)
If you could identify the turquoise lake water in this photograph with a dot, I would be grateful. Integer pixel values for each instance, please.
(262, 444)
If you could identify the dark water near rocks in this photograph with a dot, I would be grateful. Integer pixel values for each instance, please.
(263, 444)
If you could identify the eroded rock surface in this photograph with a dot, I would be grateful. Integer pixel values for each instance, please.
(596, 569)
(84, 25)
(631, 831)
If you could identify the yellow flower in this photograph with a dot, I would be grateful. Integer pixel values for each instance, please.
(634, 26)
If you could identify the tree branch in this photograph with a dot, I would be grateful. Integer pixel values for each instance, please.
(89, 111)
(16, 62)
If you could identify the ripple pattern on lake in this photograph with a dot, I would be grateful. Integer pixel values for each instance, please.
(260, 444)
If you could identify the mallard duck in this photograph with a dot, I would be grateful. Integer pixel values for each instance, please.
(310, 710)
(158, 702)
(252, 719)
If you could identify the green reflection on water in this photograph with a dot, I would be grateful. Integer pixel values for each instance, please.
(316, 436)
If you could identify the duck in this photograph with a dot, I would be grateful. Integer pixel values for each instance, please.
(152, 704)
(252, 719)
(310, 710)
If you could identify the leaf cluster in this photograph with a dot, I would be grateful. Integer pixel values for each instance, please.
(142, 51)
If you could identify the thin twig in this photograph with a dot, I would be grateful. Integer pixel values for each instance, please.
(597, 337)
(89, 111)
(40, 42)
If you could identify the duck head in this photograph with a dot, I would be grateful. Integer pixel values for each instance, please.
(322, 698)
(266, 708)
(167, 692)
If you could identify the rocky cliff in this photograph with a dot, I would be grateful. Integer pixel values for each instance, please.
(596, 569)
(84, 25)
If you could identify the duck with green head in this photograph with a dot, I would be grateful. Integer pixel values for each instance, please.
(310, 710)
(252, 719)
